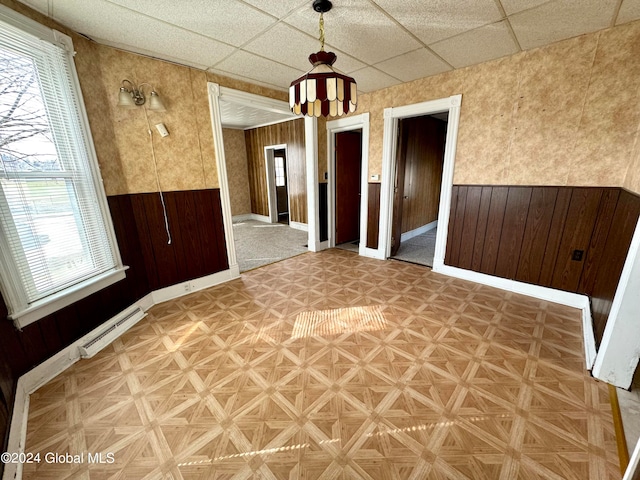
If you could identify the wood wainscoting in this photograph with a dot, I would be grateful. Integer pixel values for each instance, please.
(197, 249)
(569, 238)
(373, 215)
(197, 246)
(290, 133)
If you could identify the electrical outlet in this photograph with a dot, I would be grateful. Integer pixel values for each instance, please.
(577, 255)
(187, 287)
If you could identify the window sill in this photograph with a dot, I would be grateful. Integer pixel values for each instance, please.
(65, 298)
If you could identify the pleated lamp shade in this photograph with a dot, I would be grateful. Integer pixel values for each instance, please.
(323, 91)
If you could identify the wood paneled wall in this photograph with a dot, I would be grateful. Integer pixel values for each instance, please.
(292, 134)
(373, 215)
(198, 248)
(323, 211)
(423, 139)
(535, 234)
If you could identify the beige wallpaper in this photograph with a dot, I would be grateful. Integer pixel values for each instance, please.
(632, 180)
(186, 158)
(564, 114)
(235, 153)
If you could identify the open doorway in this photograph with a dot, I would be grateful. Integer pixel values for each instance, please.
(280, 176)
(242, 124)
(417, 187)
(392, 118)
(347, 220)
(348, 172)
(277, 181)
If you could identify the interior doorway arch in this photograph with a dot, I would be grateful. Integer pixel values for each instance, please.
(390, 144)
(215, 94)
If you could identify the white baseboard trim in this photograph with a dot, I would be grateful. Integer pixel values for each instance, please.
(251, 216)
(634, 464)
(241, 218)
(371, 252)
(318, 246)
(260, 218)
(589, 336)
(50, 368)
(185, 288)
(418, 231)
(17, 431)
(574, 300)
(299, 226)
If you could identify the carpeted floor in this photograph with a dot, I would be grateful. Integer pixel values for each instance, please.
(259, 243)
(419, 249)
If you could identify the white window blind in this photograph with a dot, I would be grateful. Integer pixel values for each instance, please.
(55, 230)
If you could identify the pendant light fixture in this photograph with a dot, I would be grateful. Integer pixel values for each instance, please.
(323, 90)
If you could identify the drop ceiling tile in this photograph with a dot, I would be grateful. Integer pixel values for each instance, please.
(279, 8)
(629, 11)
(435, 20)
(218, 19)
(370, 79)
(254, 67)
(345, 63)
(413, 65)
(515, 6)
(162, 56)
(248, 80)
(108, 23)
(477, 46)
(359, 29)
(287, 45)
(561, 19)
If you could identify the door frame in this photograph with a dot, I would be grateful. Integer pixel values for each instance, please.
(269, 155)
(215, 91)
(392, 116)
(355, 122)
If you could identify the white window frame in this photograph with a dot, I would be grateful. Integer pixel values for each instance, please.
(12, 290)
(281, 168)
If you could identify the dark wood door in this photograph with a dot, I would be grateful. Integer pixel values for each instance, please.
(418, 179)
(398, 188)
(348, 174)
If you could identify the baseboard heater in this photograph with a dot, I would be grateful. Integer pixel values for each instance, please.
(118, 325)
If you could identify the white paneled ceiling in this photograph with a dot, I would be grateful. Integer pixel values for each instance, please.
(380, 42)
(239, 116)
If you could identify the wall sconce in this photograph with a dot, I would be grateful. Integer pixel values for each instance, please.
(134, 97)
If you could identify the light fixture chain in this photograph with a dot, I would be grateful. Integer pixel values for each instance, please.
(321, 32)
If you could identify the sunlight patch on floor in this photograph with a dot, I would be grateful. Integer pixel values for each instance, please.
(340, 320)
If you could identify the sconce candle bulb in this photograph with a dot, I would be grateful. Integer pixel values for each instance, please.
(132, 96)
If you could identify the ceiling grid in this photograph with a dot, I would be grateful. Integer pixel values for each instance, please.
(379, 42)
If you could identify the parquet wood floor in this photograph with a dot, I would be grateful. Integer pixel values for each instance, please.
(456, 381)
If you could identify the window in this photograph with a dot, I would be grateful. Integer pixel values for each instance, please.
(279, 170)
(56, 235)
